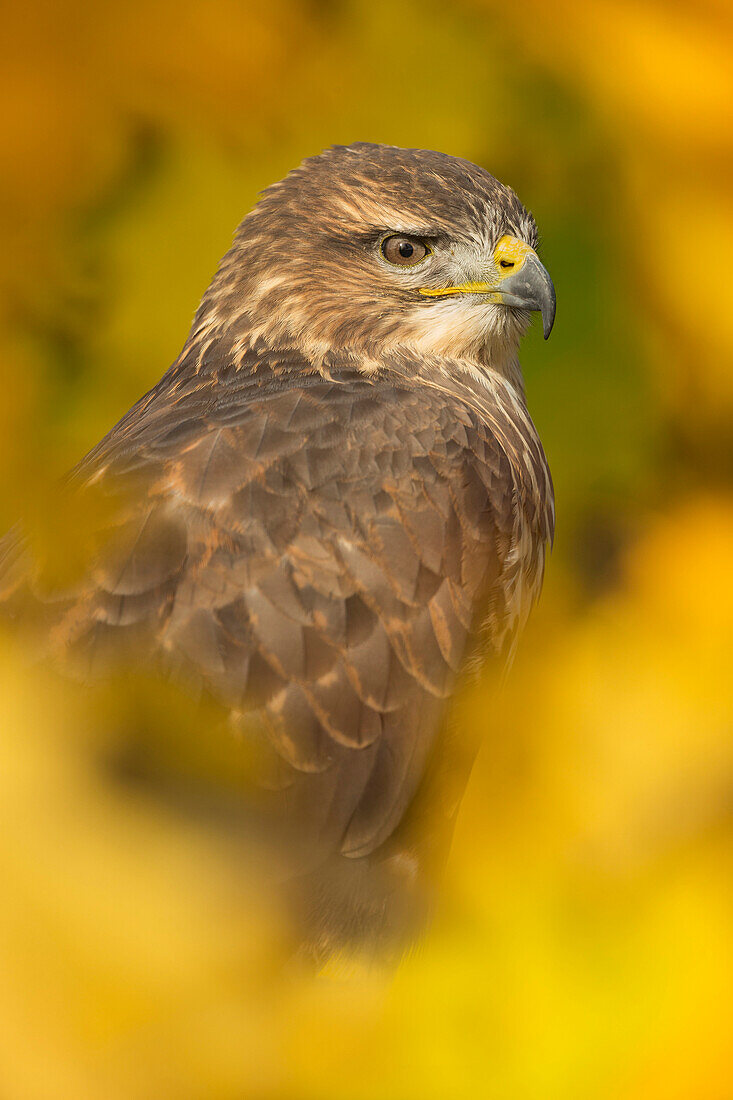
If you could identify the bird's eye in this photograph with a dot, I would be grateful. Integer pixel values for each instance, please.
(506, 263)
(404, 251)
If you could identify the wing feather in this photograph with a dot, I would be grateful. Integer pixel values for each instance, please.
(314, 553)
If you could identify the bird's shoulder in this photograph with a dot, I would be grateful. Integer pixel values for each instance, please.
(313, 546)
(294, 402)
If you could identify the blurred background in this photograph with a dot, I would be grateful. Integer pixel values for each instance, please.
(584, 943)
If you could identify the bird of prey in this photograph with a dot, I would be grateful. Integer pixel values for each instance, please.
(331, 509)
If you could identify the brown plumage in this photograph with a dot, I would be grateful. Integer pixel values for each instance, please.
(332, 504)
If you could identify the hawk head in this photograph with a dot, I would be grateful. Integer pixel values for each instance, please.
(371, 248)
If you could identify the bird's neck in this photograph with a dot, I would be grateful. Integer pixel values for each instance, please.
(505, 366)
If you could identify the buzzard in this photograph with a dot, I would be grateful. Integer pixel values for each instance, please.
(331, 508)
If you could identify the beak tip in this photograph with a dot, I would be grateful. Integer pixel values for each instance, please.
(548, 322)
(548, 306)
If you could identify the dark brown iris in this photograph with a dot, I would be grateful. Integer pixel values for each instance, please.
(404, 251)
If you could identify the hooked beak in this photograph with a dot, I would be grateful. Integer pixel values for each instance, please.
(531, 288)
(521, 281)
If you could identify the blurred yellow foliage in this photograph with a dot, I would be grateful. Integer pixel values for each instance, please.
(584, 945)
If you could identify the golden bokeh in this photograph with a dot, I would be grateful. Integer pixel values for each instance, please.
(583, 946)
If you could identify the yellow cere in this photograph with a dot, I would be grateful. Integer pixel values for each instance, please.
(508, 251)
